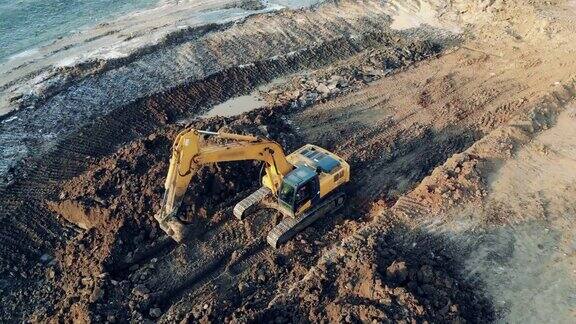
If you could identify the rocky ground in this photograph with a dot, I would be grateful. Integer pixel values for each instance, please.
(457, 119)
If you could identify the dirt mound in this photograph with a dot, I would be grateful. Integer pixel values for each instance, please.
(384, 278)
(456, 181)
(115, 201)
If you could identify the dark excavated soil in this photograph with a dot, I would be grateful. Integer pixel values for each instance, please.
(120, 267)
(386, 279)
(119, 253)
(115, 200)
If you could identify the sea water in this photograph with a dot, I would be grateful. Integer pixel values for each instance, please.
(26, 24)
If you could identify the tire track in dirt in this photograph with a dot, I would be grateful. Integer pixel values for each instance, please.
(230, 244)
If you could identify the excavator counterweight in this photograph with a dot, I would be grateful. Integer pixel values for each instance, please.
(304, 185)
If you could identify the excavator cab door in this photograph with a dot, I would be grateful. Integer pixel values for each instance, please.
(306, 195)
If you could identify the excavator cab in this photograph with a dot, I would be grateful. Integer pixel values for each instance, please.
(300, 189)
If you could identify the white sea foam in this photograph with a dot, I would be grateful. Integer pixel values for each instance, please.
(24, 54)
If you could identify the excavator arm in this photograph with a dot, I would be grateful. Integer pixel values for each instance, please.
(190, 153)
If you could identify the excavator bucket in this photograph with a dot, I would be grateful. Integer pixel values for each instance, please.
(186, 147)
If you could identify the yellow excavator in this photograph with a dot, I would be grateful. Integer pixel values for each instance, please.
(303, 186)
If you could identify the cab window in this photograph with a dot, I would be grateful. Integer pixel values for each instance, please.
(286, 193)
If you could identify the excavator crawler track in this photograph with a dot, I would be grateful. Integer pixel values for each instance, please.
(291, 226)
(247, 204)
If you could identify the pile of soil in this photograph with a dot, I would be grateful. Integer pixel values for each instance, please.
(383, 278)
(459, 180)
(115, 201)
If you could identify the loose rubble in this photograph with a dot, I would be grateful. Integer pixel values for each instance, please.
(350, 75)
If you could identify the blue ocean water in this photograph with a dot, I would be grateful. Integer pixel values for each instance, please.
(25, 24)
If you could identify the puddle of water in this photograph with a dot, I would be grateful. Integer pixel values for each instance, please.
(241, 104)
(236, 106)
(246, 103)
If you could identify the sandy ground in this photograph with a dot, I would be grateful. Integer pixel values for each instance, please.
(457, 120)
(534, 194)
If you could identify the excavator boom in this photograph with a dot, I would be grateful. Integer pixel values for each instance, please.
(189, 153)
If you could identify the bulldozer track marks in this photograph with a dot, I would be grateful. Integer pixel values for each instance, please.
(206, 274)
(252, 254)
(410, 207)
(223, 264)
